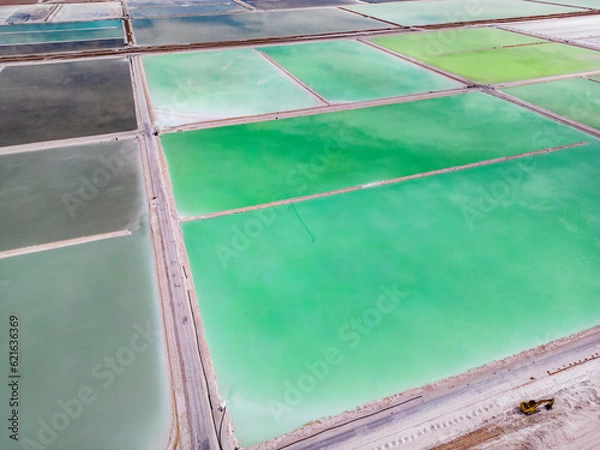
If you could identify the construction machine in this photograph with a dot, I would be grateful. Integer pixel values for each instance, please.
(531, 406)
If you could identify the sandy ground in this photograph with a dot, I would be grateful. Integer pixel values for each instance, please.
(572, 424)
(479, 409)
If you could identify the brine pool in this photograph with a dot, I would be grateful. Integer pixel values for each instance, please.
(319, 304)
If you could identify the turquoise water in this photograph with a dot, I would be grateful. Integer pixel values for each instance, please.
(345, 71)
(237, 166)
(454, 11)
(195, 87)
(576, 98)
(60, 32)
(316, 308)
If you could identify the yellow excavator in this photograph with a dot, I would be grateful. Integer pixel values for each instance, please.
(531, 406)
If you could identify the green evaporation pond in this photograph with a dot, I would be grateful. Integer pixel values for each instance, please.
(304, 306)
(92, 359)
(69, 192)
(577, 98)
(499, 57)
(345, 71)
(194, 87)
(454, 41)
(452, 11)
(230, 167)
